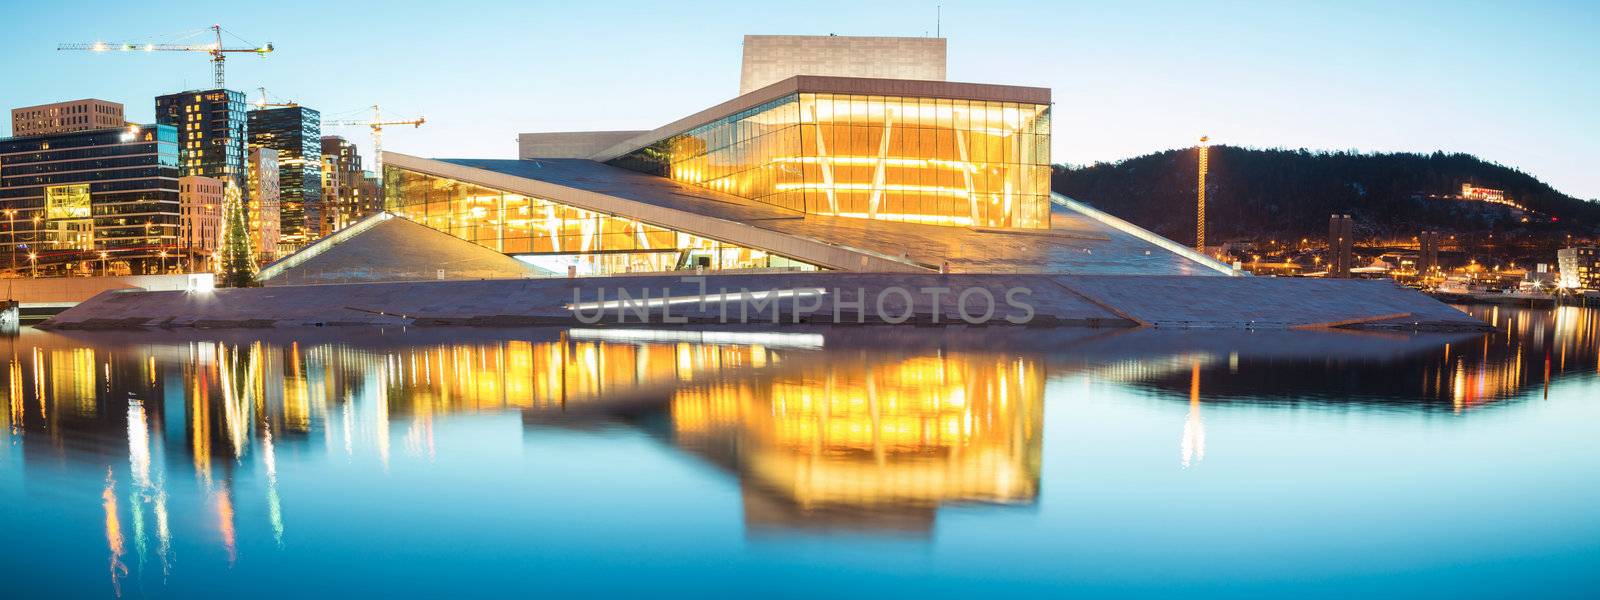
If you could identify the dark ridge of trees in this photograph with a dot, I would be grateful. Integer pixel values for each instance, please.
(1279, 193)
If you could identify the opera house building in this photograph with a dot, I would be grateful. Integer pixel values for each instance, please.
(848, 154)
(847, 173)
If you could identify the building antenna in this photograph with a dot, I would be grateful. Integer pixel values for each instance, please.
(938, 20)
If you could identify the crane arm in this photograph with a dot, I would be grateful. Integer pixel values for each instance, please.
(134, 47)
(218, 52)
(416, 122)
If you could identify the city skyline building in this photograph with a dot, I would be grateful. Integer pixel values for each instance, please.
(212, 131)
(296, 133)
(1580, 267)
(200, 200)
(263, 206)
(66, 117)
(67, 197)
(347, 197)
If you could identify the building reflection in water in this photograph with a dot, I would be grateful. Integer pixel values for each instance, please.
(867, 442)
(1456, 374)
(861, 433)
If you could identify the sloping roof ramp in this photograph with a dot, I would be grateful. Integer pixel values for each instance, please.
(1080, 240)
(385, 247)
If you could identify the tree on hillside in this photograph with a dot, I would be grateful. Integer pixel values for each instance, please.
(238, 261)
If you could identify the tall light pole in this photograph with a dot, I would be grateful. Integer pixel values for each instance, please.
(1200, 215)
(33, 259)
(11, 226)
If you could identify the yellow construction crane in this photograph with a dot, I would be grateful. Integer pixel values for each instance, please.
(376, 124)
(218, 53)
(263, 102)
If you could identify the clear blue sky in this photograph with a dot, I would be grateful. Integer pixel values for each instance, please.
(1514, 82)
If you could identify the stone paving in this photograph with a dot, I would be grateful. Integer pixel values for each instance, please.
(762, 300)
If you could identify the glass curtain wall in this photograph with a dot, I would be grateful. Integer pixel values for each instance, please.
(68, 197)
(924, 160)
(556, 236)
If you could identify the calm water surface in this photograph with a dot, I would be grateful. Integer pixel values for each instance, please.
(855, 462)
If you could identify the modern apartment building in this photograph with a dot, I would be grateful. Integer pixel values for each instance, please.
(67, 197)
(296, 133)
(66, 117)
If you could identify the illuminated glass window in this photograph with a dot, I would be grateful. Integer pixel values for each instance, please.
(922, 160)
(554, 236)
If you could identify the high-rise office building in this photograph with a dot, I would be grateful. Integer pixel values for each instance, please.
(1341, 245)
(296, 133)
(211, 128)
(67, 197)
(264, 208)
(66, 117)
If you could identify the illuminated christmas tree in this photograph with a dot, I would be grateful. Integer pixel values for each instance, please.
(237, 258)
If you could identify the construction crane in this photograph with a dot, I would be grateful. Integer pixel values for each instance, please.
(263, 103)
(218, 53)
(377, 124)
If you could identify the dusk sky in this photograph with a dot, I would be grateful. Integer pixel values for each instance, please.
(1514, 83)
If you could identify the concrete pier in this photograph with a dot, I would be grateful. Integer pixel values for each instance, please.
(780, 299)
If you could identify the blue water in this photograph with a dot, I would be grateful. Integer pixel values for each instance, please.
(853, 462)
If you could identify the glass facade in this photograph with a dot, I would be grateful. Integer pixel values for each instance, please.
(556, 236)
(67, 197)
(211, 132)
(296, 133)
(924, 160)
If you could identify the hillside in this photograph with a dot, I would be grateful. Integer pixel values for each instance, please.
(1258, 194)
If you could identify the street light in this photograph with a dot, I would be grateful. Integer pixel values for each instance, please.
(163, 262)
(103, 271)
(33, 259)
(11, 226)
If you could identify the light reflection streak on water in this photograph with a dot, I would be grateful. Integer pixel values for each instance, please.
(269, 459)
(1193, 448)
(114, 539)
(139, 466)
(223, 505)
